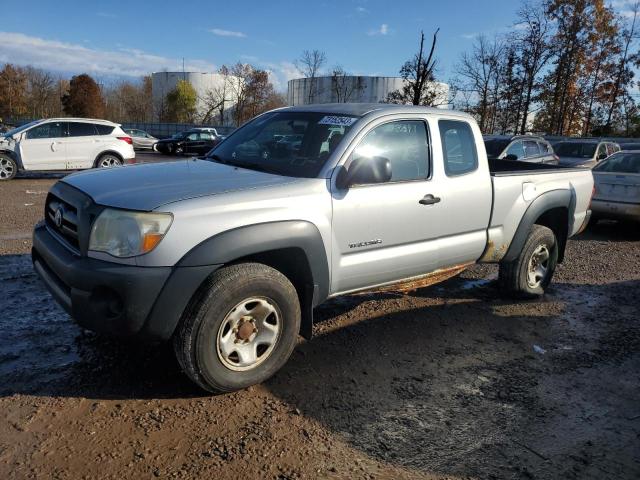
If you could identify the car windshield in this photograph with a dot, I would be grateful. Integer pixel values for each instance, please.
(495, 146)
(294, 144)
(620, 163)
(20, 129)
(575, 149)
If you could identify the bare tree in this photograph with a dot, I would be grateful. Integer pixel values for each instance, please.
(218, 98)
(418, 74)
(343, 86)
(309, 65)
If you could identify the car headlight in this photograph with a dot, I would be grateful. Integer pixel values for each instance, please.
(123, 233)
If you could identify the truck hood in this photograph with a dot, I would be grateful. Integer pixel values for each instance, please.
(149, 186)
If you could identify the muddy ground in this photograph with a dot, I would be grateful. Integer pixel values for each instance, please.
(453, 381)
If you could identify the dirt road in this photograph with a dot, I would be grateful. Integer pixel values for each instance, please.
(453, 381)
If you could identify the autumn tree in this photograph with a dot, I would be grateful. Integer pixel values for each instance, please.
(418, 75)
(218, 98)
(84, 98)
(309, 65)
(13, 91)
(252, 92)
(181, 103)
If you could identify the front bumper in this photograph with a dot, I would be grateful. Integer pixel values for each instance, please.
(616, 210)
(113, 298)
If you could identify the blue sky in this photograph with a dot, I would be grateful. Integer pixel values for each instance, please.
(368, 37)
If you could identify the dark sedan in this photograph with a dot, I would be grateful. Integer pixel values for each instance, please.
(193, 142)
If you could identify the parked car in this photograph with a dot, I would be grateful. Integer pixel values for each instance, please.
(527, 148)
(227, 256)
(64, 144)
(195, 141)
(141, 139)
(584, 152)
(617, 184)
(630, 146)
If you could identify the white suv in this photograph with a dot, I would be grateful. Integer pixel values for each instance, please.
(64, 144)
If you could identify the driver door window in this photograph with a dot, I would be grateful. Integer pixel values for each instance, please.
(404, 143)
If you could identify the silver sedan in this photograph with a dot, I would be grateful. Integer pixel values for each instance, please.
(617, 184)
(141, 139)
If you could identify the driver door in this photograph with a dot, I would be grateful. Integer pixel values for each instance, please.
(43, 147)
(382, 232)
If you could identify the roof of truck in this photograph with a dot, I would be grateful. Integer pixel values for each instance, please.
(361, 109)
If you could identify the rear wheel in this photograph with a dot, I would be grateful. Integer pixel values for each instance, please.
(240, 329)
(8, 167)
(108, 160)
(531, 272)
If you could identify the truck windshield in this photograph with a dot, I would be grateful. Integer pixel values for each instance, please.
(293, 144)
(20, 129)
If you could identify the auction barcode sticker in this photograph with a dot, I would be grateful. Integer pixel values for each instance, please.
(342, 121)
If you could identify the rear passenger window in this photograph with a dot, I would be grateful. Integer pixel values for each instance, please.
(458, 147)
(81, 129)
(104, 129)
(545, 148)
(405, 143)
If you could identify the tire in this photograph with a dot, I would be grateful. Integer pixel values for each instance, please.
(208, 348)
(108, 160)
(8, 167)
(521, 277)
(593, 222)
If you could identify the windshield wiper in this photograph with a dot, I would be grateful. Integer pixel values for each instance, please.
(255, 166)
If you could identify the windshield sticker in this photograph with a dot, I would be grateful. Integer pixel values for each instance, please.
(341, 121)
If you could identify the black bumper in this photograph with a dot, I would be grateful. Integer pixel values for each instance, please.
(113, 298)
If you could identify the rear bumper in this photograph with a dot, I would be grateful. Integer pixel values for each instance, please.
(117, 299)
(616, 210)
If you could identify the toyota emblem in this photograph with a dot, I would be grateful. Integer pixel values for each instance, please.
(58, 217)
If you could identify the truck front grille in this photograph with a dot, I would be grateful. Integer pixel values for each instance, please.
(62, 218)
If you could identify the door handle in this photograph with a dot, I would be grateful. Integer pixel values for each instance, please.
(53, 146)
(429, 200)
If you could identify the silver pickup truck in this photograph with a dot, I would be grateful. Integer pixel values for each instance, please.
(228, 255)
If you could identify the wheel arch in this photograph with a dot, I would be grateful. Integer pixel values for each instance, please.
(552, 210)
(14, 156)
(295, 248)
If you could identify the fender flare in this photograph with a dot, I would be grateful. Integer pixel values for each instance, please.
(544, 203)
(226, 247)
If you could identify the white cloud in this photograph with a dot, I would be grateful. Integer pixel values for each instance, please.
(280, 73)
(361, 10)
(53, 55)
(383, 30)
(227, 33)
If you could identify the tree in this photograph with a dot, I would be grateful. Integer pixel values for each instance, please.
(181, 103)
(218, 98)
(13, 88)
(309, 65)
(343, 86)
(84, 98)
(418, 75)
(253, 93)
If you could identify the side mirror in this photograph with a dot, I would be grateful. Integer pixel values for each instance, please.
(365, 170)
(511, 157)
(602, 156)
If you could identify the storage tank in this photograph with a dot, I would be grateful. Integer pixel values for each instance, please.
(163, 82)
(351, 89)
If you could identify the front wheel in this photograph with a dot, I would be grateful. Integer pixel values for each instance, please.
(8, 167)
(530, 273)
(240, 329)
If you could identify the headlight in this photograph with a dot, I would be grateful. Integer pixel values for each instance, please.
(126, 234)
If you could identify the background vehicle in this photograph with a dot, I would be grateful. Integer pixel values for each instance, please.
(141, 139)
(228, 255)
(630, 146)
(194, 141)
(64, 144)
(520, 147)
(617, 183)
(584, 152)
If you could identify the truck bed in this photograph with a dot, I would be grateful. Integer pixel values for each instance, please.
(516, 167)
